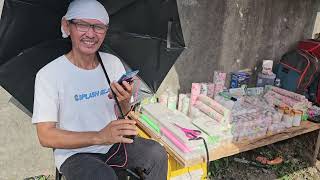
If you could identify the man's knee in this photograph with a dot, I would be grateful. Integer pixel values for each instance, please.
(96, 174)
(83, 167)
(103, 173)
(158, 159)
(157, 153)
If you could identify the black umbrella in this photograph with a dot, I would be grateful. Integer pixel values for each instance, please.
(145, 34)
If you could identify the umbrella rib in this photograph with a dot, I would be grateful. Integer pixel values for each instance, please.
(149, 37)
(23, 2)
(44, 5)
(123, 8)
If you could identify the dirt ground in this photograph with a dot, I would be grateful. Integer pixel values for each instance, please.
(295, 165)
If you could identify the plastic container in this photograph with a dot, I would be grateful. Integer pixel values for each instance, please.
(267, 66)
(277, 82)
(297, 117)
(288, 118)
(282, 109)
(264, 79)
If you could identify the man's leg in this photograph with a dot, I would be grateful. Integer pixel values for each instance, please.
(150, 156)
(86, 166)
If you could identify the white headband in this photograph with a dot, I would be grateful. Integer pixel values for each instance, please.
(86, 9)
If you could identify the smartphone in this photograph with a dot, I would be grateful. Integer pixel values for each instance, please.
(128, 76)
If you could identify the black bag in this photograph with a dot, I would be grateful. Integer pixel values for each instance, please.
(297, 70)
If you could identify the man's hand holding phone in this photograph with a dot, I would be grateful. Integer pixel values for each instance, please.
(123, 92)
(123, 87)
(128, 77)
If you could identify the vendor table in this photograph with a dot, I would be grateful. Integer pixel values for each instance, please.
(230, 149)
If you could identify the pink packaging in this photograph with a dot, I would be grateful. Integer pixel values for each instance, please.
(214, 105)
(163, 99)
(211, 89)
(218, 88)
(219, 78)
(204, 89)
(195, 92)
(176, 141)
(209, 111)
(290, 94)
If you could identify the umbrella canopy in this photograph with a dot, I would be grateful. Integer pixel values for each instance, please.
(145, 34)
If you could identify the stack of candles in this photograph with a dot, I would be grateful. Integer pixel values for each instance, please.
(250, 118)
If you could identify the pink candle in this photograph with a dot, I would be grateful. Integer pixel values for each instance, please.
(175, 141)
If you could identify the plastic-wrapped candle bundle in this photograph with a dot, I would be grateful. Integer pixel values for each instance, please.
(172, 101)
(213, 128)
(243, 109)
(184, 101)
(196, 113)
(169, 123)
(280, 97)
(204, 89)
(195, 92)
(251, 125)
(180, 100)
(251, 118)
(213, 104)
(226, 102)
(218, 89)
(209, 111)
(185, 104)
(276, 116)
(163, 98)
(284, 99)
(276, 128)
(224, 111)
(219, 78)
(211, 90)
(287, 93)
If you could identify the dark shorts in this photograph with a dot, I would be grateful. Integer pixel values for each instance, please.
(145, 154)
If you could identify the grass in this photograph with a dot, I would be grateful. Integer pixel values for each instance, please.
(292, 161)
(293, 165)
(218, 166)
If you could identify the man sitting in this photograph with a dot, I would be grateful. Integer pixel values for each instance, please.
(73, 113)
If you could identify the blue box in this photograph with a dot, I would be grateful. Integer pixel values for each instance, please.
(239, 78)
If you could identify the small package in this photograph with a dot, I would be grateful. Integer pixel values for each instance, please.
(239, 79)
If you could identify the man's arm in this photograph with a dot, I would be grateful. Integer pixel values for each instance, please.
(123, 93)
(51, 136)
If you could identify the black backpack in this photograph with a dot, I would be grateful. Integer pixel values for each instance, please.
(296, 70)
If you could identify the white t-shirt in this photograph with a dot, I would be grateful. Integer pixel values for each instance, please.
(75, 98)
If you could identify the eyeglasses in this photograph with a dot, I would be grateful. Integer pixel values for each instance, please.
(84, 27)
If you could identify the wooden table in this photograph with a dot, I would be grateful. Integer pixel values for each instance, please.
(238, 147)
